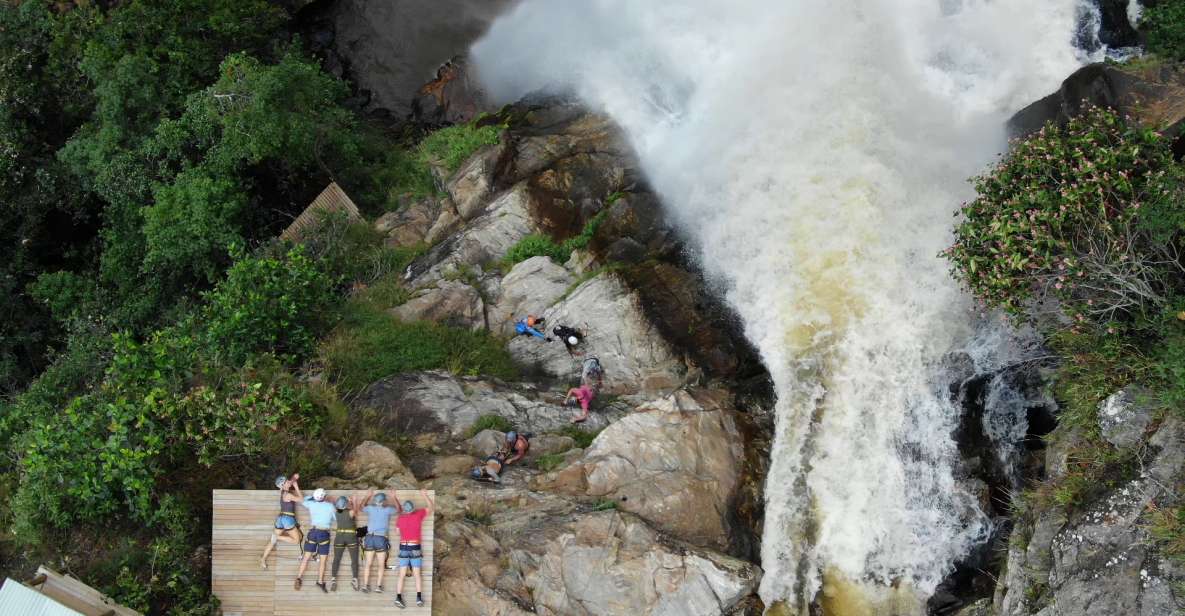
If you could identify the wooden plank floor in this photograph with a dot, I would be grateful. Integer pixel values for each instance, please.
(242, 524)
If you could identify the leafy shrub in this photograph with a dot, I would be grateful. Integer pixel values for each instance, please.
(1163, 25)
(490, 422)
(353, 252)
(1085, 214)
(238, 416)
(451, 146)
(535, 245)
(268, 304)
(583, 438)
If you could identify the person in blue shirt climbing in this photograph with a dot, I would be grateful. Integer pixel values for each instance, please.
(316, 543)
(526, 327)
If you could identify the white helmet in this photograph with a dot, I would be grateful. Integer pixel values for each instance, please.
(319, 494)
(572, 340)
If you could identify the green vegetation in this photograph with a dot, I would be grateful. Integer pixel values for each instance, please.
(1079, 231)
(410, 173)
(371, 344)
(536, 245)
(1163, 25)
(490, 422)
(1167, 527)
(604, 504)
(549, 462)
(583, 437)
(151, 328)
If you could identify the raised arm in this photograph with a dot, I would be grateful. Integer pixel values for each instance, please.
(296, 487)
(431, 504)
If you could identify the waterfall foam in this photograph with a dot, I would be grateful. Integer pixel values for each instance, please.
(812, 152)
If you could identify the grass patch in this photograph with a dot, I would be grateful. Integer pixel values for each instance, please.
(490, 422)
(604, 504)
(1094, 367)
(537, 245)
(1167, 527)
(410, 172)
(479, 514)
(583, 438)
(549, 462)
(370, 344)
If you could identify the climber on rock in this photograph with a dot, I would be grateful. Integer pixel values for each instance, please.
(570, 336)
(490, 469)
(584, 396)
(592, 374)
(516, 446)
(527, 327)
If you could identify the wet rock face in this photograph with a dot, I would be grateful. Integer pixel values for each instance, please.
(393, 47)
(1102, 560)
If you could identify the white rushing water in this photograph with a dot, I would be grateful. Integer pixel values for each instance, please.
(813, 152)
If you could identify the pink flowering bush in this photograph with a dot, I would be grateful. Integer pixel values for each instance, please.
(1086, 218)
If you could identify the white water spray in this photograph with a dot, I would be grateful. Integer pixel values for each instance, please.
(813, 151)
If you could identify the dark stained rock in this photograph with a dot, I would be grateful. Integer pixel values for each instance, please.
(1155, 97)
(392, 47)
(451, 98)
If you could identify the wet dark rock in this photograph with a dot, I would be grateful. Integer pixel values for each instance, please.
(1155, 97)
(453, 97)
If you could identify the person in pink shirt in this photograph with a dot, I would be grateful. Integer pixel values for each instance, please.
(584, 395)
(411, 523)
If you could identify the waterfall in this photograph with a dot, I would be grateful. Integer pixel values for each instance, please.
(812, 152)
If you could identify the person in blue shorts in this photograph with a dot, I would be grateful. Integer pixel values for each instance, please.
(321, 514)
(285, 527)
(411, 553)
(378, 523)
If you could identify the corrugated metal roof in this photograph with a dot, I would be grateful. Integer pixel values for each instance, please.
(332, 199)
(16, 599)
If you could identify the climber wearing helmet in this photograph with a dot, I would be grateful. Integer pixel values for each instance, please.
(570, 336)
(490, 469)
(584, 396)
(378, 520)
(346, 537)
(411, 524)
(321, 515)
(285, 528)
(516, 446)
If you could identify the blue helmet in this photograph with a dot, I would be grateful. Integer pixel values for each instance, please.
(476, 472)
(380, 498)
(280, 481)
(511, 436)
(341, 502)
(408, 507)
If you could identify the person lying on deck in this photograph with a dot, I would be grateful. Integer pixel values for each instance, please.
(346, 537)
(376, 543)
(411, 524)
(316, 544)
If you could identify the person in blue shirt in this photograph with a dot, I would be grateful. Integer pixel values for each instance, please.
(378, 523)
(526, 327)
(321, 513)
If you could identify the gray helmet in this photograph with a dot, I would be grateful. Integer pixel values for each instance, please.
(511, 436)
(380, 498)
(280, 481)
(408, 507)
(341, 502)
(476, 472)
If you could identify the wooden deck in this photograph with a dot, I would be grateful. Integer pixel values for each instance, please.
(242, 524)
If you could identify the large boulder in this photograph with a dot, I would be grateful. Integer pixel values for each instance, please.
(484, 240)
(371, 465)
(438, 402)
(633, 353)
(1154, 96)
(409, 225)
(1125, 415)
(472, 185)
(532, 286)
(449, 302)
(582, 564)
(453, 97)
(676, 462)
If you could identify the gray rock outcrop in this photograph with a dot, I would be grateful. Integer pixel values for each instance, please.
(531, 287)
(449, 302)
